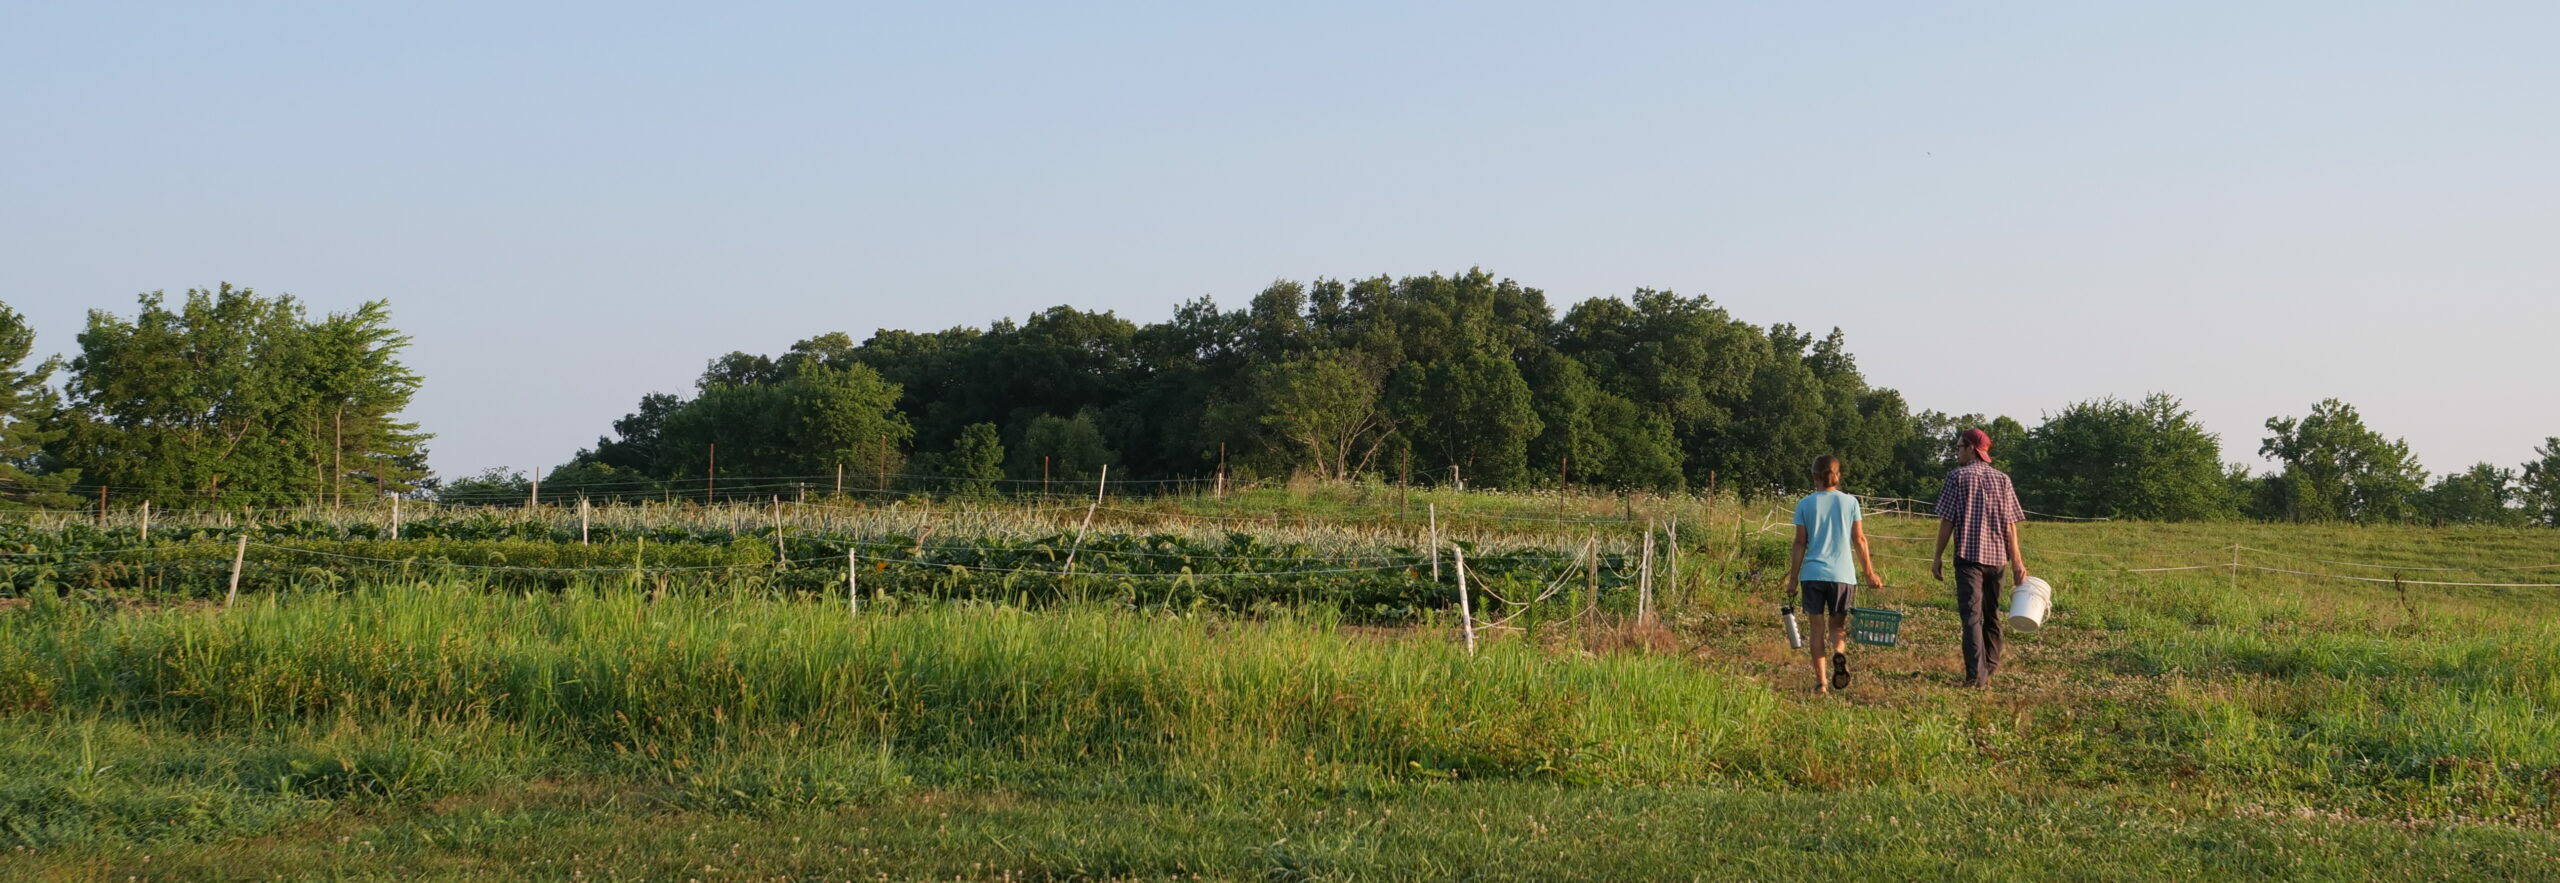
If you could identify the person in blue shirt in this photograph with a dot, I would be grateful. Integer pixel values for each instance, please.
(1827, 531)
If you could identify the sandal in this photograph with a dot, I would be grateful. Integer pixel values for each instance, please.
(1839, 671)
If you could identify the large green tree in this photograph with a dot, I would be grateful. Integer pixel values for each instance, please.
(1471, 411)
(976, 462)
(804, 420)
(2336, 469)
(2483, 494)
(2538, 485)
(27, 404)
(1325, 409)
(1069, 449)
(236, 398)
(2108, 458)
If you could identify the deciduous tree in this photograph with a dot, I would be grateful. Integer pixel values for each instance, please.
(240, 399)
(2335, 469)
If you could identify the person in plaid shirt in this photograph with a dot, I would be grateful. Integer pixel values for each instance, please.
(1978, 511)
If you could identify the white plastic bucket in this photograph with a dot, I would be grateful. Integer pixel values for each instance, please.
(2028, 603)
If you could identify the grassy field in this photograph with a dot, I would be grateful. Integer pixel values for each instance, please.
(2200, 723)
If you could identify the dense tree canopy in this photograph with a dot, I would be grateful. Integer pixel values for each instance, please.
(2483, 494)
(1463, 376)
(1477, 378)
(234, 398)
(2114, 459)
(240, 399)
(2335, 469)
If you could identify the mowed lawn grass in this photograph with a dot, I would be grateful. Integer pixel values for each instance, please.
(2177, 724)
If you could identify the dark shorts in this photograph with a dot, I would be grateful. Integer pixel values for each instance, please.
(1832, 598)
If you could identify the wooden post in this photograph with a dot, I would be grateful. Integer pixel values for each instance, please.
(146, 521)
(839, 478)
(1591, 552)
(239, 555)
(1070, 569)
(395, 518)
(102, 507)
(1644, 579)
(1222, 470)
(852, 583)
(582, 520)
(2235, 568)
(1673, 538)
(1466, 611)
(1563, 484)
(781, 558)
(1044, 476)
(534, 503)
(1404, 487)
(1454, 480)
(1434, 512)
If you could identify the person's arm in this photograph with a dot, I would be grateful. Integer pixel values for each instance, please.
(1938, 559)
(1866, 562)
(2017, 560)
(2017, 519)
(1795, 560)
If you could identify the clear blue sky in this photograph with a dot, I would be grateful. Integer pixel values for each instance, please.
(2007, 208)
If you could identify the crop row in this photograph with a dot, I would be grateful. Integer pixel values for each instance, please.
(1234, 571)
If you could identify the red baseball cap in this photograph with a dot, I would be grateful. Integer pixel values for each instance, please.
(1975, 439)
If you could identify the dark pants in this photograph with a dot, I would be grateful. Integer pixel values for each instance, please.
(1978, 605)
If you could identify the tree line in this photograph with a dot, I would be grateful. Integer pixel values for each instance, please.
(222, 398)
(246, 400)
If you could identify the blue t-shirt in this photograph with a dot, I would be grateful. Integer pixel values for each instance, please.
(1826, 517)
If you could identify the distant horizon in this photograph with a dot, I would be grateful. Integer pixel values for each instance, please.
(2007, 210)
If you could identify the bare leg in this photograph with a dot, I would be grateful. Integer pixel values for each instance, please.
(1821, 657)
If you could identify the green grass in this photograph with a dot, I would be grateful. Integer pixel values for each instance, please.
(2162, 725)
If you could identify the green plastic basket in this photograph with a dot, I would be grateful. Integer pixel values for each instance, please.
(1875, 626)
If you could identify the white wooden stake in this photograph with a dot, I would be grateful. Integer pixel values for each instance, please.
(852, 583)
(535, 500)
(146, 521)
(1466, 610)
(238, 556)
(1644, 579)
(1591, 557)
(1105, 481)
(1673, 539)
(582, 521)
(1434, 510)
(395, 518)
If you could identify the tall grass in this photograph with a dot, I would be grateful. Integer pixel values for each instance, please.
(613, 675)
(2226, 701)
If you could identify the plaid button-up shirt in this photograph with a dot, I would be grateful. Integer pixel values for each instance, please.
(1984, 506)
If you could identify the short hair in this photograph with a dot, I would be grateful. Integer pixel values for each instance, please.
(1826, 469)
